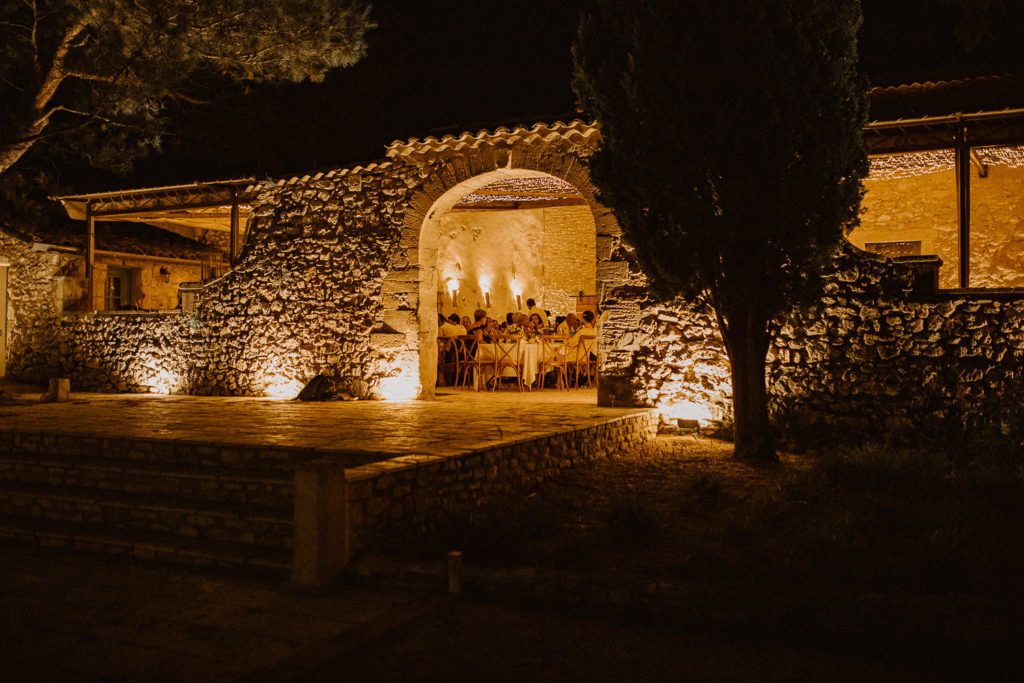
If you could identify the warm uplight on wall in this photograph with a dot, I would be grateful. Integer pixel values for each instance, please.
(403, 385)
(277, 386)
(278, 381)
(684, 410)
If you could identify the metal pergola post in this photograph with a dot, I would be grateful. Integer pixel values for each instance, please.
(963, 202)
(90, 258)
(234, 224)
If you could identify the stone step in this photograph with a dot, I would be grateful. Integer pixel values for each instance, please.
(162, 547)
(209, 483)
(173, 453)
(256, 525)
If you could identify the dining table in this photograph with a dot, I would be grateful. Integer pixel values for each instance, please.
(529, 362)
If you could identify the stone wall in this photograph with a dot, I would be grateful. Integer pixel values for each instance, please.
(33, 304)
(921, 206)
(304, 298)
(340, 273)
(409, 493)
(883, 353)
(549, 252)
(568, 257)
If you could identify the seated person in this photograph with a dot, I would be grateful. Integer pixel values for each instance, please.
(482, 327)
(452, 327)
(584, 335)
(568, 326)
(466, 322)
(531, 309)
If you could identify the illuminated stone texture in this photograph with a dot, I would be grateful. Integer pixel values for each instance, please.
(912, 197)
(548, 252)
(340, 273)
(33, 304)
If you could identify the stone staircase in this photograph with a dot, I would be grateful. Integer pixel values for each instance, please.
(195, 504)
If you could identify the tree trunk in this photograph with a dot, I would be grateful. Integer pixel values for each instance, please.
(745, 334)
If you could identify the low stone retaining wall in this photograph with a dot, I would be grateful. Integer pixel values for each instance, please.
(342, 512)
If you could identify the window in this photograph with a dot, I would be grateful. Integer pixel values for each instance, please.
(894, 249)
(118, 293)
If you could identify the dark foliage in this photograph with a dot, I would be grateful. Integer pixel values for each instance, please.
(732, 156)
(95, 80)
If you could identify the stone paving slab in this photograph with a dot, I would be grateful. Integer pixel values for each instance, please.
(456, 422)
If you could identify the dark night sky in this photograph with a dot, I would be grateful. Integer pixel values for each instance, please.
(437, 67)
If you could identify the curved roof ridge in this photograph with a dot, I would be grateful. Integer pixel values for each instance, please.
(541, 130)
(941, 83)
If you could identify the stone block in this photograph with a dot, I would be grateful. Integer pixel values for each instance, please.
(59, 390)
(404, 322)
(613, 272)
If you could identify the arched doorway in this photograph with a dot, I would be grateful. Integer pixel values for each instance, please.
(494, 241)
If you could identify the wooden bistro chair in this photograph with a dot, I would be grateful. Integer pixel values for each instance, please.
(552, 359)
(447, 361)
(466, 361)
(579, 363)
(507, 355)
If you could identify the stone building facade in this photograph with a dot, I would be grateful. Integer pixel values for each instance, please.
(342, 272)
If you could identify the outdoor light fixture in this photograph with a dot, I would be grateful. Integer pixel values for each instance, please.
(165, 274)
(485, 287)
(453, 288)
(517, 289)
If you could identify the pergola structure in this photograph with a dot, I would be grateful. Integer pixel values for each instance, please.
(962, 133)
(217, 205)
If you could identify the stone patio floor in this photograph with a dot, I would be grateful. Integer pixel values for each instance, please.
(456, 422)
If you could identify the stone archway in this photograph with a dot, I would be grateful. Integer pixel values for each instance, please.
(433, 270)
(452, 166)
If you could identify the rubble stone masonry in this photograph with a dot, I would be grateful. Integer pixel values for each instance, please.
(330, 281)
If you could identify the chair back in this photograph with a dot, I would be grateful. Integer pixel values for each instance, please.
(507, 355)
(465, 358)
(506, 350)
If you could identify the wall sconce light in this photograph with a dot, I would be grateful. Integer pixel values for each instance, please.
(487, 299)
(165, 274)
(517, 290)
(453, 289)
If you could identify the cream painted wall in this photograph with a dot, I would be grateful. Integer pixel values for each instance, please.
(924, 208)
(149, 291)
(916, 208)
(550, 253)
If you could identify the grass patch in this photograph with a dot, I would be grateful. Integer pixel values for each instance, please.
(865, 518)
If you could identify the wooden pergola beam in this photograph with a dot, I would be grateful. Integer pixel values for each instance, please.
(147, 210)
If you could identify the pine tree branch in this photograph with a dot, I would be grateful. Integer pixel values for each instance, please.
(56, 73)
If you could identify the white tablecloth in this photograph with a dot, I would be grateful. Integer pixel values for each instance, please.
(529, 361)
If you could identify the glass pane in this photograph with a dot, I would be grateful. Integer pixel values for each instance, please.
(997, 212)
(910, 204)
